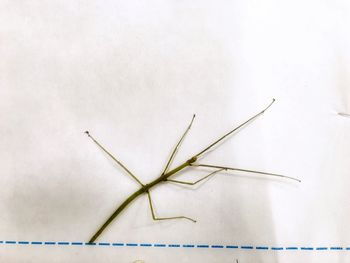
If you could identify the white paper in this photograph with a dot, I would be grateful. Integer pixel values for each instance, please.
(133, 73)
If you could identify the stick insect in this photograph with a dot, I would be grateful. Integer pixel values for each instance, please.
(167, 173)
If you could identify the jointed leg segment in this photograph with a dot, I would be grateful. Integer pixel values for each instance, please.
(115, 159)
(165, 218)
(244, 170)
(172, 156)
(193, 183)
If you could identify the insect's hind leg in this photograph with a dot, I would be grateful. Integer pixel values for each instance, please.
(196, 182)
(165, 218)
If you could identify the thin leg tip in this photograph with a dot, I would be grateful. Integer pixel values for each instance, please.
(295, 179)
(194, 221)
(272, 102)
(88, 134)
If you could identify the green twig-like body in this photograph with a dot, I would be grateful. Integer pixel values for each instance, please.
(144, 189)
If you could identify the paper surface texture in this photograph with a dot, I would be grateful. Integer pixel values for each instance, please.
(133, 73)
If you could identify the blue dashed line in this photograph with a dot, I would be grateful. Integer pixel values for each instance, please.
(336, 248)
(307, 248)
(262, 248)
(104, 244)
(217, 246)
(174, 245)
(187, 245)
(77, 243)
(277, 248)
(246, 247)
(118, 244)
(231, 246)
(203, 246)
(131, 245)
(65, 243)
(145, 245)
(159, 245)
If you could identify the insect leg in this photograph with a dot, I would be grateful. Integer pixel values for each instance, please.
(115, 159)
(233, 130)
(172, 156)
(244, 170)
(193, 183)
(165, 218)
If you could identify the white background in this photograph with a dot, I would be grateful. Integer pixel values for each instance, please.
(133, 73)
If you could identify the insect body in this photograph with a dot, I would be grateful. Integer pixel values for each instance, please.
(167, 173)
